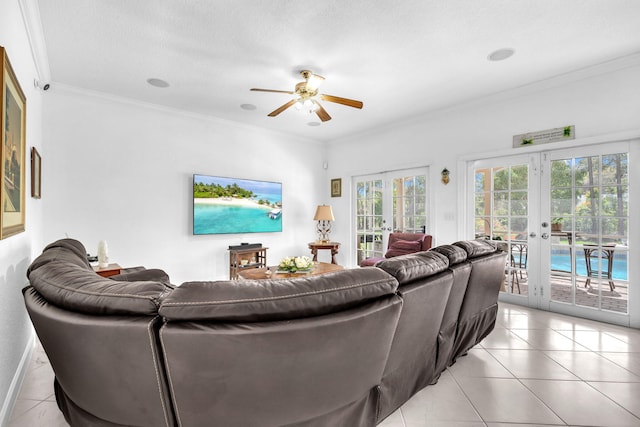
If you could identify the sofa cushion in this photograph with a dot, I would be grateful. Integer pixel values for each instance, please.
(403, 247)
(407, 268)
(69, 250)
(455, 254)
(63, 279)
(476, 248)
(280, 299)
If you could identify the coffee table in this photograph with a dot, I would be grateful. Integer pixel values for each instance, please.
(261, 273)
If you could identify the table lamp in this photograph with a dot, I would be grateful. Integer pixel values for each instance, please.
(324, 216)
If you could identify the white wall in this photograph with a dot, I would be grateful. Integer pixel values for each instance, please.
(122, 171)
(16, 252)
(601, 102)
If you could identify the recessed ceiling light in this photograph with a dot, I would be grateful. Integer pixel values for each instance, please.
(248, 107)
(157, 82)
(501, 54)
(313, 124)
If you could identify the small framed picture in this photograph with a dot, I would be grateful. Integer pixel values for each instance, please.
(336, 187)
(36, 173)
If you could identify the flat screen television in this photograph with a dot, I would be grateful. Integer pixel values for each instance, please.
(230, 205)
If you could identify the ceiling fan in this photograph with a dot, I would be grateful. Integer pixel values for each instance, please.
(307, 97)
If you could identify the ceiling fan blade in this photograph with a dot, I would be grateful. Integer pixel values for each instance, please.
(344, 101)
(281, 108)
(321, 112)
(272, 90)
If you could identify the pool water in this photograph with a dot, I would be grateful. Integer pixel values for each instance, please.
(561, 261)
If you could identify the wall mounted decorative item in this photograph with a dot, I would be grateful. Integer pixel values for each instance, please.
(13, 126)
(36, 173)
(564, 133)
(336, 187)
(445, 176)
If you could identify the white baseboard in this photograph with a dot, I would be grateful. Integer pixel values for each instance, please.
(16, 383)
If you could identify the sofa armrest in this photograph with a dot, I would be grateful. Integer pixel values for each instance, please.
(145, 275)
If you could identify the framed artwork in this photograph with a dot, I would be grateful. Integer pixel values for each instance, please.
(36, 173)
(12, 127)
(336, 187)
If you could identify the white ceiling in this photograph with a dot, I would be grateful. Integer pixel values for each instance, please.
(402, 58)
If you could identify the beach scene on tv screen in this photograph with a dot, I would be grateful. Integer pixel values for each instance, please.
(229, 205)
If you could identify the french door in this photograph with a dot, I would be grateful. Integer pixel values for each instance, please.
(562, 216)
(388, 202)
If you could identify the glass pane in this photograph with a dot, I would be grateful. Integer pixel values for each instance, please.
(421, 186)
(408, 206)
(376, 208)
(482, 182)
(408, 187)
(500, 179)
(587, 200)
(561, 174)
(409, 224)
(587, 171)
(520, 177)
(615, 169)
(519, 228)
(483, 203)
(519, 203)
(615, 200)
(614, 230)
(483, 226)
(500, 203)
(377, 223)
(500, 228)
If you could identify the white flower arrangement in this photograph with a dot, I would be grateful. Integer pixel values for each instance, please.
(294, 264)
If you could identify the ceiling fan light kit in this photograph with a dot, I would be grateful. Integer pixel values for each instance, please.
(307, 97)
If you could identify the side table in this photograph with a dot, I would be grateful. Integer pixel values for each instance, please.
(316, 246)
(108, 271)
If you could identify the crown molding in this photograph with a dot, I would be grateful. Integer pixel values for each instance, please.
(136, 103)
(538, 86)
(33, 26)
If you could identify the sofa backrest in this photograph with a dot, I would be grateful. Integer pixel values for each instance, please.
(479, 307)
(412, 267)
(405, 243)
(461, 271)
(425, 284)
(282, 299)
(280, 352)
(424, 239)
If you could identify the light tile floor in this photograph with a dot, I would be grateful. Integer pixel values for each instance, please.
(535, 369)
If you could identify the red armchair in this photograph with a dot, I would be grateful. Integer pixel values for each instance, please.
(401, 244)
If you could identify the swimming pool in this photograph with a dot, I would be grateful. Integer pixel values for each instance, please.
(561, 261)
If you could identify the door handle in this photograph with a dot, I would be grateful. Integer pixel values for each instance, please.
(532, 234)
(545, 236)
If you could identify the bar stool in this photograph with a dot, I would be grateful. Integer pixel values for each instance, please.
(593, 252)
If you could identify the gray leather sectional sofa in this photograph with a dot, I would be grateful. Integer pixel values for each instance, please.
(340, 349)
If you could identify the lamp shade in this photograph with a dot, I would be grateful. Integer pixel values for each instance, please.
(324, 213)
